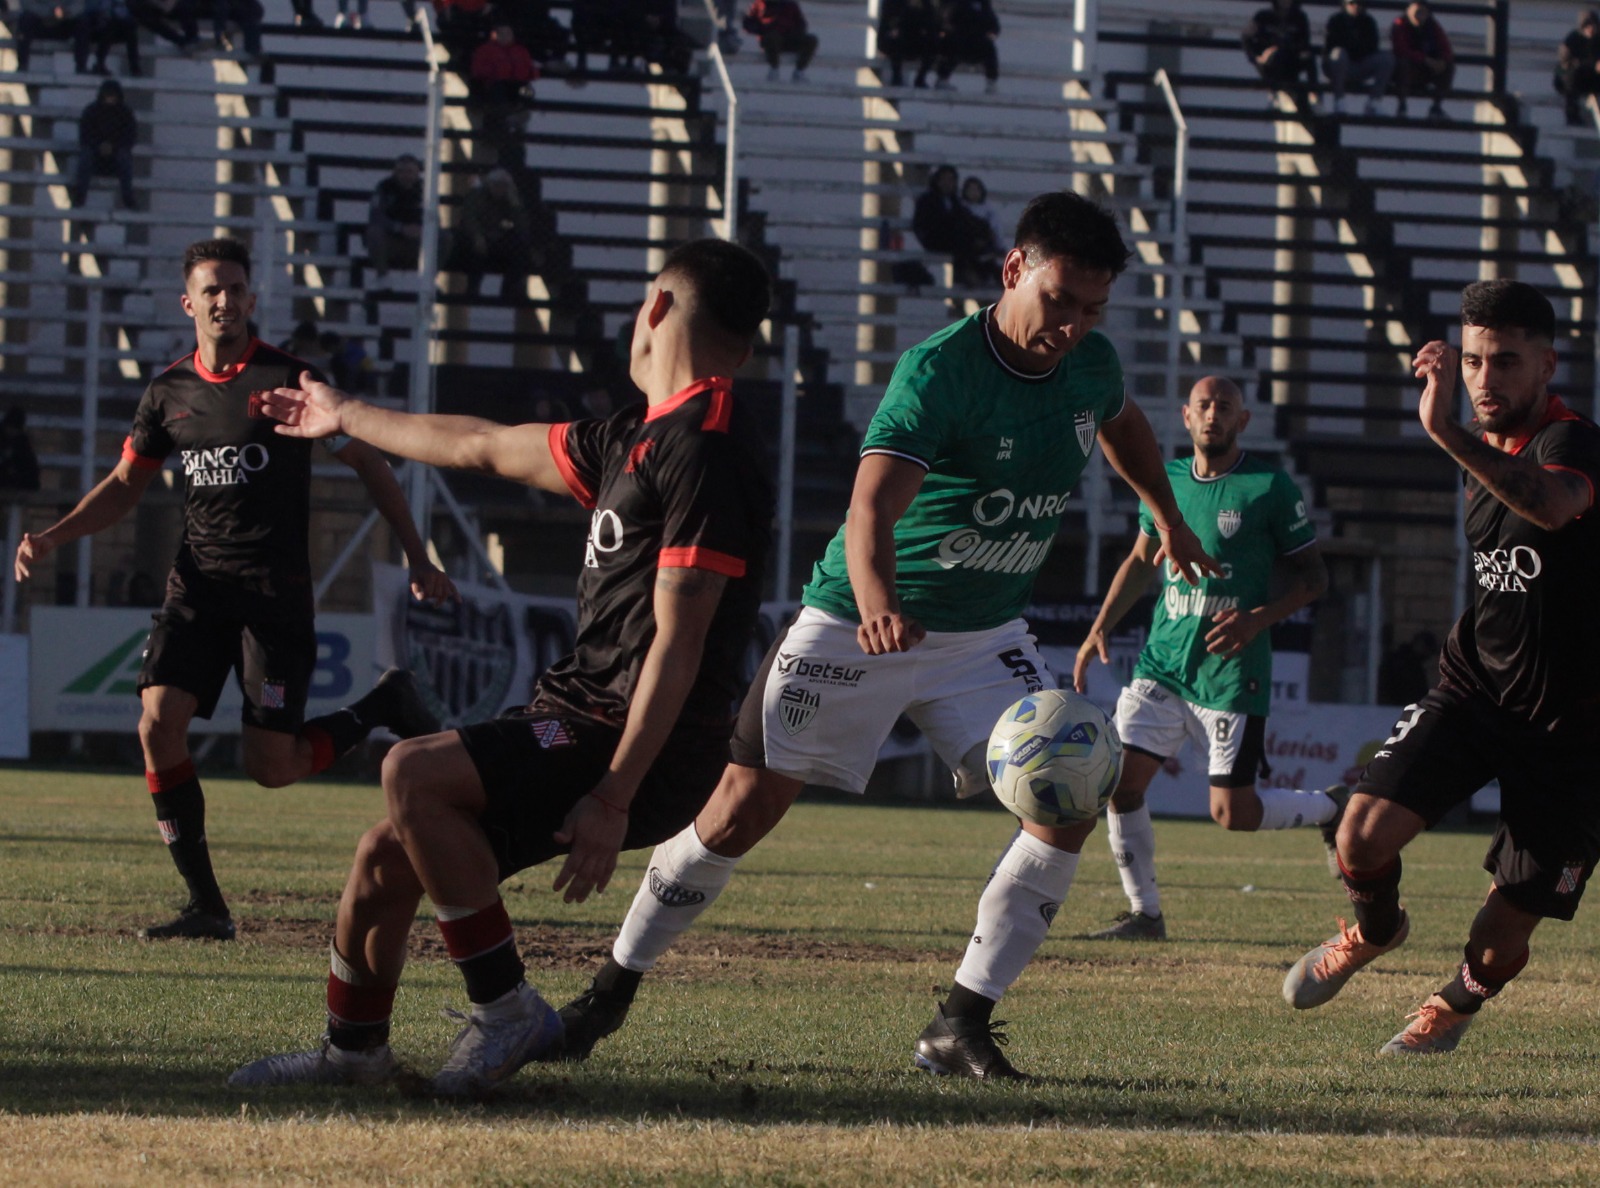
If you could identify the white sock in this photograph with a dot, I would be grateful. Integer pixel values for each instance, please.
(1289, 808)
(1133, 845)
(1014, 913)
(683, 880)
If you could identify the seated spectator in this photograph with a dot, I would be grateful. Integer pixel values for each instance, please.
(303, 343)
(908, 30)
(394, 218)
(243, 16)
(171, 20)
(1578, 64)
(1425, 64)
(1278, 43)
(501, 82)
(728, 40)
(111, 23)
(304, 16)
(356, 19)
(107, 132)
(975, 197)
(463, 26)
(492, 235)
(1352, 53)
(345, 361)
(19, 465)
(943, 224)
(52, 20)
(968, 30)
(662, 41)
(781, 27)
(547, 39)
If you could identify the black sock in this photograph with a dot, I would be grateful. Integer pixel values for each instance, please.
(1476, 983)
(617, 983)
(333, 734)
(181, 815)
(1375, 894)
(962, 1003)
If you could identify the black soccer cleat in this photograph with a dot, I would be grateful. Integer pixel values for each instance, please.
(399, 705)
(965, 1048)
(192, 924)
(589, 1018)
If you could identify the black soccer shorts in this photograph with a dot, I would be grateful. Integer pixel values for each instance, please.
(1450, 744)
(536, 764)
(194, 648)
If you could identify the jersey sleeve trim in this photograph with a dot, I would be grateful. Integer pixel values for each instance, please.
(1121, 407)
(1297, 548)
(557, 437)
(897, 454)
(699, 558)
(1588, 482)
(137, 460)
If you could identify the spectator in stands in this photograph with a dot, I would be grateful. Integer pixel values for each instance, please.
(245, 16)
(547, 39)
(908, 30)
(19, 465)
(304, 14)
(662, 41)
(1425, 64)
(1578, 64)
(975, 197)
(356, 19)
(728, 39)
(107, 132)
(345, 361)
(171, 20)
(501, 82)
(394, 218)
(303, 343)
(52, 20)
(1353, 53)
(463, 26)
(781, 28)
(1278, 43)
(968, 30)
(491, 235)
(111, 23)
(942, 223)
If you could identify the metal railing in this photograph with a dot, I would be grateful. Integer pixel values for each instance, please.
(1179, 258)
(730, 159)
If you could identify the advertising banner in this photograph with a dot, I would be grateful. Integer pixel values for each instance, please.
(13, 696)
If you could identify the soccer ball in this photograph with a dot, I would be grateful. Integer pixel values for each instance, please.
(1054, 759)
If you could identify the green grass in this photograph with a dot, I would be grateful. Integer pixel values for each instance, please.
(774, 1046)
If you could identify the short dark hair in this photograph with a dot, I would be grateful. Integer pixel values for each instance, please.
(730, 284)
(1508, 305)
(225, 251)
(1063, 223)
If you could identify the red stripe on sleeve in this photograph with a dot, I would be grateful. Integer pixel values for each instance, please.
(698, 558)
(569, 473)
(137, 460)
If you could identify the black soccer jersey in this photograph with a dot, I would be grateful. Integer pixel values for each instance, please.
(680, 484)
(247, 490)
(1530, 642)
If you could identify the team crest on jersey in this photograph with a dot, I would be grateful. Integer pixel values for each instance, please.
(1084, 424)
(796, 708)
(1228, 522)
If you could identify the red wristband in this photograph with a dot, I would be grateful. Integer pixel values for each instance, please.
(1160, 527)
(613, 807)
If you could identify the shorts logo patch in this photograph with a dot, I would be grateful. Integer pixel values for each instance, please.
(1048, 911)
(819, 672)
(551, 733)
(1229, 522)
(272, 696)
(796, 708)
(169, 831)
(670, 894)
(1567, 884)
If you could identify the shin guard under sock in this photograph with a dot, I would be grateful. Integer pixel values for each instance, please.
(1476, 983)
(1375, 895)
(482, 945)
(1014, 913)
(181, 816)
(358, 1007)
(683, 880)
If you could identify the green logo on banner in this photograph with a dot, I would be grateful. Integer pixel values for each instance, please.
(108, 666)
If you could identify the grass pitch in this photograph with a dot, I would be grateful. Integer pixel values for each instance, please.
(774, 1046)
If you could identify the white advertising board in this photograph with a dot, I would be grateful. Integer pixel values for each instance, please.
(13, 696)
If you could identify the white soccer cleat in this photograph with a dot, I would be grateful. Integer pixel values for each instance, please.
(325, 1065)
(1323, 971)
(1434, 1029)
(492, 1047)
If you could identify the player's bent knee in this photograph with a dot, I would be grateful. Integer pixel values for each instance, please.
(1374, 831)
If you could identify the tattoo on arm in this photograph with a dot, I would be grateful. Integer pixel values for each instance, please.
(687, 582)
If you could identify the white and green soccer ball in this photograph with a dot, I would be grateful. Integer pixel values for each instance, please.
(1054, 759)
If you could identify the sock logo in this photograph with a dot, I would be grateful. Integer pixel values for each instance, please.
(1123, 857)
(1048, 911)
(670, 895)
(169, 831)
(272, 695)
(1472, 984)
(1358, 896)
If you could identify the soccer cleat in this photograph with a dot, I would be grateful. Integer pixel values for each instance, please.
(400, 707)
(1340, 795)
(192, 924)
(1434, 1029)
(1322, 973)
(964, 1048)
(488, 1050)
(587, 1020)
(323, 1065)
(1133, 926)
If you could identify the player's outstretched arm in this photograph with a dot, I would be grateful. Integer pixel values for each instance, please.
(110, 499)
(1132, 450)
(685, 601)
(1549, 498)
(428, 581)
(1128, 585)
(520, 453)
(884, 488)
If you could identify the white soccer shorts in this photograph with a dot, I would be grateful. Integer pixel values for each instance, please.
(1154, 719)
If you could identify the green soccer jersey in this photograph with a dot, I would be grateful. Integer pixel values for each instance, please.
(1003, 450)
(1246, 519)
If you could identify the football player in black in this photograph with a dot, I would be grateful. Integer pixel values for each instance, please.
(239, 596)
(626, 738)
(1515, 698)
